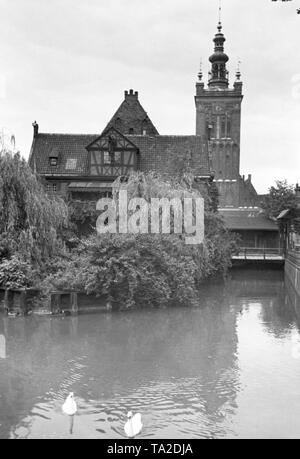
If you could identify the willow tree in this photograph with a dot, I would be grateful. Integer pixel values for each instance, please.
(29, 219)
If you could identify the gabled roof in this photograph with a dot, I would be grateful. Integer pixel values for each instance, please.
(160, 153)
(111, 133)
(131, 115)
(289, 214)
(284, 214)
(167, 153)
(247, 219)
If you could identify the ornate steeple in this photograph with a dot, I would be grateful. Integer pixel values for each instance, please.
(218, 77)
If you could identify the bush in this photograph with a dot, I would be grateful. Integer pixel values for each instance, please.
(16, 274)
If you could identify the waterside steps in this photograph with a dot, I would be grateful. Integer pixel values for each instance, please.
(258, 255)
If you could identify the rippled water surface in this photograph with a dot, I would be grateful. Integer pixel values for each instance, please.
(229, 368)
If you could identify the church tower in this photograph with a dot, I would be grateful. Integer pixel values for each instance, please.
(218, 117)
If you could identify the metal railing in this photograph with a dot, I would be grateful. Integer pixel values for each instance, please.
(248, 253)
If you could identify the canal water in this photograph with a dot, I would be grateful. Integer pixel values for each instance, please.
(229, 368)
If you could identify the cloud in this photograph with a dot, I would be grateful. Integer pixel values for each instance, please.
(67, 62)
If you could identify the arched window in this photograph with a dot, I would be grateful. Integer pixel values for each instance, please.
(228, 127)
(223, 127)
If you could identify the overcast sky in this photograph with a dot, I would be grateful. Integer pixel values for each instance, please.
(66, 64)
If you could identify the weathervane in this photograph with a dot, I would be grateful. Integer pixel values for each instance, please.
(200, 74)
(220, 16)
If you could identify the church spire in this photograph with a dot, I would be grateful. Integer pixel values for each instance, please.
(218, 77)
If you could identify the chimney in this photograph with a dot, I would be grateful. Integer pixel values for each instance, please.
(35, 129)
(249, 178)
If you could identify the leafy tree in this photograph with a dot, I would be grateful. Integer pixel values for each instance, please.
(280, 197)
(147, 269)
(29, 219)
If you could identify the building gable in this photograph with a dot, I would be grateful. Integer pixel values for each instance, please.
(131, 118)
(112, 155)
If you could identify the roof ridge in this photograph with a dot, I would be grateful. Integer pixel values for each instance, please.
(66, 133)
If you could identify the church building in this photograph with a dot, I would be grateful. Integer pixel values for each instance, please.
(84, 166)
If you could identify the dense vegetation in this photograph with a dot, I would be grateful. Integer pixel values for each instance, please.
(280, 197)
(130, 270)
(148, 269)
(30, 223)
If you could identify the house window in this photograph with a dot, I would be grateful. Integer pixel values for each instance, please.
(131, 131)
(48, 187)
(54, 187)
(117, 157)
(106, 158)
(53, 161)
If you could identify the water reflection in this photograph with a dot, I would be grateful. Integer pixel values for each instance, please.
(186, 370)
(2, 347)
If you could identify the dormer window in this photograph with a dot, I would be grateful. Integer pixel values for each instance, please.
(54, 155)
(53, 161)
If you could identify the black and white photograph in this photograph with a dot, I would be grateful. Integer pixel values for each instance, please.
(149, 222)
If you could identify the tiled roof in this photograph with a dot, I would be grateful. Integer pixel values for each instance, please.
(72, 155)
(131, 115)
(247, 219)
(161, 153)
(166, 153)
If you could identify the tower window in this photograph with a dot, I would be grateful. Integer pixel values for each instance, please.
(221, 127)
(228, 127)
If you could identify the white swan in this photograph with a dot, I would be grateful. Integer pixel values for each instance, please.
(70, 406)
(134, 425)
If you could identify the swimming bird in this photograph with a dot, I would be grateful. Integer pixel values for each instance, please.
(134, 425)
(70, 406)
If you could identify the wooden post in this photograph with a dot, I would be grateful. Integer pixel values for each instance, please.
(74, 304)
(55, 303)
(6, 301)
(23, 302)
